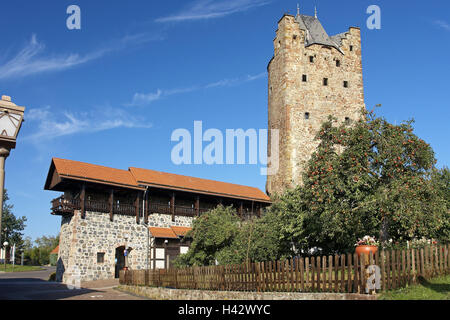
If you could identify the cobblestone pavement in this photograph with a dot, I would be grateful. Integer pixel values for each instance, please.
(35, 286)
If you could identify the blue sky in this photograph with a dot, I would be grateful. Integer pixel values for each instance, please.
(113, 92)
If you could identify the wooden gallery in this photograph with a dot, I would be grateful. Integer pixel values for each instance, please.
(135, 218)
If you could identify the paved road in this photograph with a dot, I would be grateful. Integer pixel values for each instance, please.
(34, 285)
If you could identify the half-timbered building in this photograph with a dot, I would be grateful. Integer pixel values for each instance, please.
(138, 218)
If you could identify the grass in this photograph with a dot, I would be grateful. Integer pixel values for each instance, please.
(18, 268)
(434, 289)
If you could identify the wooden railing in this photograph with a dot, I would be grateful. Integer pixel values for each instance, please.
(97, 206)
(340, 274)
(63, 206)
(126, 209)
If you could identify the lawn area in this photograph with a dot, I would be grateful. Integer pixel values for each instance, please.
(19, 268)
(434, 289)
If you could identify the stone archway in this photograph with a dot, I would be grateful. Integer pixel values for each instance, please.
(119, 261)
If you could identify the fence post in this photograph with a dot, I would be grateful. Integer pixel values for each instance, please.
(336, 273)
(355, 271)
(342, 288)
(383, 270)
(363, 273)
(307, 286)
(349, 273)
(422, 263)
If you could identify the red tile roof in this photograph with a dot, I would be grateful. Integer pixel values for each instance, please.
(136, 178)
(171, 181)
(180, 231)
(55, 251)
(162, 233)
(92, 172)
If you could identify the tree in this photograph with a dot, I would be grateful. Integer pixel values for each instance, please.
(212, 232)
(441, 181)
(39, 254)
(371, 178)
(13, 225)
(219, 235)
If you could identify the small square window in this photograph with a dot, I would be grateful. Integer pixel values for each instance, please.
(338, 63)
(311, 59)
(306, 115)
(325, 81)
(345, 84)
(347, 120)
(304, 78)
(100, 257)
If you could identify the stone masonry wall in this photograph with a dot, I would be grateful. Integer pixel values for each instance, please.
(82, 239)
(290, 97)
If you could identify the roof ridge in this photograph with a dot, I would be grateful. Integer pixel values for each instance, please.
(182, 175)
(91, 164)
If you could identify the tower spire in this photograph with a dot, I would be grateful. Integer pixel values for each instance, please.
(315, 12)
(298, 9)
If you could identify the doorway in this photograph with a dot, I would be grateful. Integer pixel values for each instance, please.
(120, 260)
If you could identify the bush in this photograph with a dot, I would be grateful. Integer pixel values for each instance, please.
(52, 277)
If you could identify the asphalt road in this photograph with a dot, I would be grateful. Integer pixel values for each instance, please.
(34, 285)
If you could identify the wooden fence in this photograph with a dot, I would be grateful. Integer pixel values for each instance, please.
(340, 273)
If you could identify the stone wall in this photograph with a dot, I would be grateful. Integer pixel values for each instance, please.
(290, 98)
(181, 294)
(81, 240)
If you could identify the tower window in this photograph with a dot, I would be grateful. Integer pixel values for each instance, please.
(100, 257)
(351, 48)
(311, 59)
(306, 115)
(304, 78)
(295, 37)
(325, 81)
(347, 120)
(345, 84)
(338, 63)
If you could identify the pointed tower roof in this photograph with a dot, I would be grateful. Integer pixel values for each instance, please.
(315, 33)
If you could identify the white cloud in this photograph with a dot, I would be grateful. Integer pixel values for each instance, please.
(31, 59)
(145, 98)
(141, 99)
(49, 124)
(442, 24)
(211, 9)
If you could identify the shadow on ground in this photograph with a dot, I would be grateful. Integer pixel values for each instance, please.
(37, 289)
(437, 287)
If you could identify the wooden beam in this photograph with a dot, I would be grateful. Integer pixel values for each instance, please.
(241, 209)
(147, 207)
(138, 199)
(172, 206)
(83, 201)
(154, 253)
(111, 205)
(197, 206)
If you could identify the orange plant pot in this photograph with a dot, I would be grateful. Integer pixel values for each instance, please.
(366, 250)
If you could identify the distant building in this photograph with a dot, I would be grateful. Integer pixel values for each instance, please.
(54, 256)
(105, 211)
(311, 76)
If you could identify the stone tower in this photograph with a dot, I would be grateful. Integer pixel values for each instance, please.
(311, 76)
